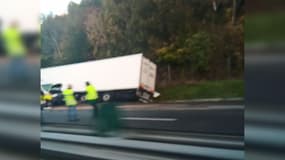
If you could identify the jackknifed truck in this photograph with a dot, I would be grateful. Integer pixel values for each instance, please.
(118, 79)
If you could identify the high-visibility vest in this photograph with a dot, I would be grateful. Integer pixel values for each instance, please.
(69, 97)
(91, 93)
(13, 42)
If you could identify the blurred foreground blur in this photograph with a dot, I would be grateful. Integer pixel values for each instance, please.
(19, 80)
(264, 75)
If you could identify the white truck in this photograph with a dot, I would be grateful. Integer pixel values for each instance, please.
(120, 79)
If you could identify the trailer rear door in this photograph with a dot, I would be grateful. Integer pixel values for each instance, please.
(148, 75)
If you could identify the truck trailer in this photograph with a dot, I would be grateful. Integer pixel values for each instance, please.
(119, 79)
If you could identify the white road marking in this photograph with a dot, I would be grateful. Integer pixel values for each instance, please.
(148, 119)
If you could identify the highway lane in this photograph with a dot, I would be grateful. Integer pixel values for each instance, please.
(197, 118)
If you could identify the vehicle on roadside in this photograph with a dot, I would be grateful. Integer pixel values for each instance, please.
(51, 95)
(119, 79)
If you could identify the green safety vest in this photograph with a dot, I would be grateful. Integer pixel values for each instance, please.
(13, 42)
(91, 93)
(69, 97)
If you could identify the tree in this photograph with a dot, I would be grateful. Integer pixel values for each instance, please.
(200, 48)
(51, 36)
(184, 37)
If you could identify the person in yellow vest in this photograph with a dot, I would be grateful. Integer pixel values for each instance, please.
(91, 97)
(71, 103)
(13, 41)
(47, 98)
(15, 50)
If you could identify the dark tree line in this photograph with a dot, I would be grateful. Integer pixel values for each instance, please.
(188, 39)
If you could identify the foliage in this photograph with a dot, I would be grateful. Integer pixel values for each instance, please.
(187, 34)
(200, 47)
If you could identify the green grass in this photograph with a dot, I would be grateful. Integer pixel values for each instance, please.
(209, 89)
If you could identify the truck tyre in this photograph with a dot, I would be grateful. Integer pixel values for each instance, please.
(106, 97)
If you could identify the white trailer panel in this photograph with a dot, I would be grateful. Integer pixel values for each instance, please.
(109, 74)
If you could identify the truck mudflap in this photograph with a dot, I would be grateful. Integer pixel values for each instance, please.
(156, 94)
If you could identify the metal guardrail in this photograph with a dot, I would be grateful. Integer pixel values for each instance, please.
(75, 145)
(202, 139)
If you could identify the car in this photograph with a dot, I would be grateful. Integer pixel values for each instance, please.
(56, 93)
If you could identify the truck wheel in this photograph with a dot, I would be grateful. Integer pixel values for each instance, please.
(82, 99)
(106, 97)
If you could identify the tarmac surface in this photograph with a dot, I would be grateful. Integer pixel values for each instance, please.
(225, 119)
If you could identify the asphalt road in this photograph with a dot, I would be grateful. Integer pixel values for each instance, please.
(195, 118)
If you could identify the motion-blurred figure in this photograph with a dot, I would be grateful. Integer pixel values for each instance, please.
(71, 103)
(13, 41)
(16, 51)
(108, 122)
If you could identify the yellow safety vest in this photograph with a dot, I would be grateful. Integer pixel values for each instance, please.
(69, 97)
(91, 93)
(13, 42)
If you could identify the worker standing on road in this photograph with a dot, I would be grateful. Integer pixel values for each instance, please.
(91, 97)
(71, 103)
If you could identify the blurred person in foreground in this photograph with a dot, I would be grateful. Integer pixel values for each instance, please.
(16, 51)
(108, 123)
(71, 103)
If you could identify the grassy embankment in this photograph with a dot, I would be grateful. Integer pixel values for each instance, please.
(209, 89)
